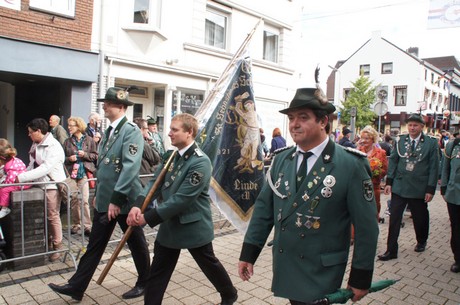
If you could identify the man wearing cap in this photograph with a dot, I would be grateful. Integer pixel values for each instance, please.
(156, 141)
(411, 180)
(314, 192)
(119, 160)
(345, 141)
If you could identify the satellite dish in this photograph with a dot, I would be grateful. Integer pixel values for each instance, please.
(380, 108)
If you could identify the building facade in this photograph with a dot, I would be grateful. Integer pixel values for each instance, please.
(47, 66)
(174, 51)
(404, 84)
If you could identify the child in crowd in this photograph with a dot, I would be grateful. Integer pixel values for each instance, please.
(12, 167)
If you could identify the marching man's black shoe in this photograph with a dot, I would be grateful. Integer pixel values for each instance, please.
(67, 290)
(229, 301)
(135, 292)
(420, 247)
(455, 267)
(387, 256)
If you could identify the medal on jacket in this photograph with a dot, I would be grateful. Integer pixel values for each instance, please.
(326, 192)
(316, 223)
(410, 166)
(305, 196)
(313, 204)
(298, 221)
(308, 223)
(329, 181)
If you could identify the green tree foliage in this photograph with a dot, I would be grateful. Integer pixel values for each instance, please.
(361, 96)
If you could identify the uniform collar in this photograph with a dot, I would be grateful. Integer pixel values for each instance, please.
(188, 151)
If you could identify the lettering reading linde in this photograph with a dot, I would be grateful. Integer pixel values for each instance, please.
(245, 186)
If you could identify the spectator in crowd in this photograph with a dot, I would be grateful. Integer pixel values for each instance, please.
(451, 194)
(444, 139)
(80, 156)
(377, 159)
(314, 191)
(155, 139)
(12, 166)
(345, 141)
(411, 180)
(57, 130)
(456, 135)
(387, 145)
(93, 129)
(119, 161)
(150, 157)
(46, 164)
(277, 140)
(184, 216)
(265, 149)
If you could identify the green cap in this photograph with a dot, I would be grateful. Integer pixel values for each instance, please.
(151, 121)
(311, 98)
(116, 95)
(416, 118)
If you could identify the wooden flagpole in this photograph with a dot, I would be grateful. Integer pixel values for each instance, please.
(128, 232)
(209, 99)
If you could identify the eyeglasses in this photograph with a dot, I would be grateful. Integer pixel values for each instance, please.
(72, 125)
(32, 131)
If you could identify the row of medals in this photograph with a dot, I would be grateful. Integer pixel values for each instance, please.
(417, 154)
(177, 172)
(312, 221)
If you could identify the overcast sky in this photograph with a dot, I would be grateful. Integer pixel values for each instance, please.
(334, 29)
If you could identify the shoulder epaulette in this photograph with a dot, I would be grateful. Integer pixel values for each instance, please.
(282, 149)
(198, 152)
(132, 124)
(355, 151)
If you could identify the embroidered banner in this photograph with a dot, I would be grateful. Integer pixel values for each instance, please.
(229, 135)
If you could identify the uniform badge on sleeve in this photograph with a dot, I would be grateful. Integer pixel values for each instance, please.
(368, 190)
(196, 178)
(133, 148)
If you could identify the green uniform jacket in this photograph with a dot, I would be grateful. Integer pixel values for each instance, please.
(184, 209)
(450, 178)
(118, 167)
(312, 226)
(413, 174)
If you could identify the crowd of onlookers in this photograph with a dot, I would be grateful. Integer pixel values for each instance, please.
(70, 157)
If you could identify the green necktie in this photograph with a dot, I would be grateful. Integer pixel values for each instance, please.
(302, 171)
(107, 133)
(412, 147)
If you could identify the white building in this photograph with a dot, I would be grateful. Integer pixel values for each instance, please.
(175, 50)
(405, 83)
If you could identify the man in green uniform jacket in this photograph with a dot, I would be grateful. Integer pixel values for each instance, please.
(312, 220)
(118, 184)
(184, 213)
(450, 191)
(411, 180)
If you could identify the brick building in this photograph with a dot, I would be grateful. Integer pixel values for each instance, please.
(47, 66)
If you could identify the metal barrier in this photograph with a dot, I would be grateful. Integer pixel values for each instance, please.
(83, 239)
(43, 186)
(71, 241)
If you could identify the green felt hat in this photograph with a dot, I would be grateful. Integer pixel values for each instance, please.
(311, 98)
(415, 117)
(116, 95)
